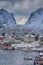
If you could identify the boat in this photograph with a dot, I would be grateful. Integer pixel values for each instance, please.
(28, 58)
(39, 60)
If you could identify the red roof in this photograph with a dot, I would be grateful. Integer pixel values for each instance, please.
(1, 37)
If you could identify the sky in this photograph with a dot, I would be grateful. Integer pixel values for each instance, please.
(21, 8)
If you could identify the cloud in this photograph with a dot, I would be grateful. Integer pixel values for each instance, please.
(26, 6)
(21, 8)
(5, 5)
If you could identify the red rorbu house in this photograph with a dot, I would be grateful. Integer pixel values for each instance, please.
(5, 45)
(1, 38)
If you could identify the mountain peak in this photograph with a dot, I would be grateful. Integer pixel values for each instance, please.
(40, 9)
(36, 19)
(2, 10)
(7, 18)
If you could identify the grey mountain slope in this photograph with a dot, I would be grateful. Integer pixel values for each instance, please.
(36, 19)
(7, 19)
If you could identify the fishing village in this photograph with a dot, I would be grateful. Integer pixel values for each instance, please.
(24, 42)
(21, 32)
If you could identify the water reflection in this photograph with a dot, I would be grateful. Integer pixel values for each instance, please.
(16, 57)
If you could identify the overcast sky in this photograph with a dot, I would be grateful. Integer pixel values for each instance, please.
(21, 8)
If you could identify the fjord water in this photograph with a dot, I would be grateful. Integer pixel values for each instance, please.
(16, 57)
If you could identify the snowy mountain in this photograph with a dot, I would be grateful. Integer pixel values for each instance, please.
(36, 19)
(7, 19)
